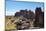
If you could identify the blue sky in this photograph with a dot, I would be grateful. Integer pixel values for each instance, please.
(13, 6)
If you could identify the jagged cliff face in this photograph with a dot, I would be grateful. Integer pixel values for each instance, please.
(39, 18)
(27, 14)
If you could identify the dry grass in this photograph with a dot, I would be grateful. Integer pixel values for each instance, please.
(8, 23)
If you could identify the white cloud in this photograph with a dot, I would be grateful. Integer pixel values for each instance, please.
(34, 11)
(11, 12)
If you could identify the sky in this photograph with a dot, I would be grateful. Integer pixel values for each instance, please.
(13, 6)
